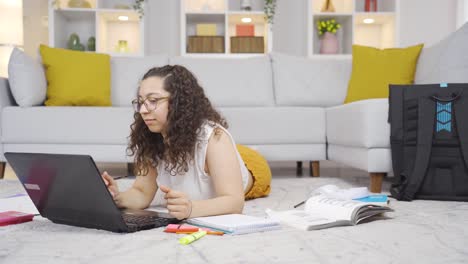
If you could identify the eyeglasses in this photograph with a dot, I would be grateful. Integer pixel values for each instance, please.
(151, 103)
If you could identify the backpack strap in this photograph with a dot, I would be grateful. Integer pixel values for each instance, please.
(426, 117)
(395, 118)
(461, 121)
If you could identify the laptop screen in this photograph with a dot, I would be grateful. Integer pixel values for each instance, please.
(65, 188)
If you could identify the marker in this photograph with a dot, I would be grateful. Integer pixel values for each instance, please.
(217, 233)
(192, 237)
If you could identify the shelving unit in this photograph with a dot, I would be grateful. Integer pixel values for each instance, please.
(225, 15)
(109, 21)
(381, 33)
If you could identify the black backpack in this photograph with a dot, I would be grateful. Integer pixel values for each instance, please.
(429, 141)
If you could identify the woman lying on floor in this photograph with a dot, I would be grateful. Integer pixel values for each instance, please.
(188, 160)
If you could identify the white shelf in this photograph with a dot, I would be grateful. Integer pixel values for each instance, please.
(225, 14)
(102, 22)
(382, 33)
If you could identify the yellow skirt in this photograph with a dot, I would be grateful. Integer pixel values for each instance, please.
(261, 173)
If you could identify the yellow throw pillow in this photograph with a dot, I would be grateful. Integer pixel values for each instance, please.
(374, 69)
(76, 78)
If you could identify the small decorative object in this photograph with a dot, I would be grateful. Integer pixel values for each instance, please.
(245, 30)
(269, 9)
(246, 5)
(122, 6)
(139, 7)
(370, 6)
(122, 46)
(92, 44)
(206, 29)
(74, 43)
(56, 4)
(327, 30)
(328, 6)
(79, 4)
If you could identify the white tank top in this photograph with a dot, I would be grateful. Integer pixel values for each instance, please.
(196, 183)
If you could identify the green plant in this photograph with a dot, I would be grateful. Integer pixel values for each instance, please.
(329, 25)
(138, 6)
(270, 6)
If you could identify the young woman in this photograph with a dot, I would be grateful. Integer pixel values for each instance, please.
(188, 160)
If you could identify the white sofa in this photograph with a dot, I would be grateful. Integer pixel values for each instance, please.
(275, 103)
(288, 108)
(358, 134)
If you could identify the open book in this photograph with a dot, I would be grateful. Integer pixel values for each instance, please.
(324, 212)
(236, 224)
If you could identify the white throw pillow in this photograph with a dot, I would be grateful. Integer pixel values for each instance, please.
(27, 79)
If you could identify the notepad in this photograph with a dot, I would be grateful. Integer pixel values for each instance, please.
(236, 224)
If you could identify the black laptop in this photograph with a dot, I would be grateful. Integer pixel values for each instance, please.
(68, 189)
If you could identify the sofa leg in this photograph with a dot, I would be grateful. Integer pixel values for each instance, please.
(2, 169)
(376, 182)
(130, 169)
(314, 168)
(299, 168)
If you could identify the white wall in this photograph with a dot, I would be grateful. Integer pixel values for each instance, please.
(421, 21)
(35, 25)
(426, 21)
(290, 27)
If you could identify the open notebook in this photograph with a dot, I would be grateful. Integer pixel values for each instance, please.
(324, 212)
(236, 224)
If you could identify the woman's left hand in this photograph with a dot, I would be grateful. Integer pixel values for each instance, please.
(178, 204)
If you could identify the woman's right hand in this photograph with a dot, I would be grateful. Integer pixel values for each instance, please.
(111, 185)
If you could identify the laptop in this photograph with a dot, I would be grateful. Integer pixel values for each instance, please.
(68, 189)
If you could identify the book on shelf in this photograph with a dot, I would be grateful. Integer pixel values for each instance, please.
(323, 212)
(236, 224)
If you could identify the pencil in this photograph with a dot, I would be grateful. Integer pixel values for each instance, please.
(299, 204)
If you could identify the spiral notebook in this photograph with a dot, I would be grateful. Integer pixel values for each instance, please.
(236, 224)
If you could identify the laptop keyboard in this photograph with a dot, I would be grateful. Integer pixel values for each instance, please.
(145, 221)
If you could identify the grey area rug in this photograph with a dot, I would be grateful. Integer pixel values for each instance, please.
(417, 232)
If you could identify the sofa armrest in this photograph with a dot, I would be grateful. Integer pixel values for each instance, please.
(6, 98)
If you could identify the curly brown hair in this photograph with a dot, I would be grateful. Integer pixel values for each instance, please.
(189, 108)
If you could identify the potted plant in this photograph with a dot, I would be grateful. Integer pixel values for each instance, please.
(269, 9)
(327, 31)
(138, 6)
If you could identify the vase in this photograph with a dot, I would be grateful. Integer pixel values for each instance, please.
(246, 5)
(329, 44)
(328, 6)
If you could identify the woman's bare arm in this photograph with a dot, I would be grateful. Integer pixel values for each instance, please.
(140, 195)
(223, 167)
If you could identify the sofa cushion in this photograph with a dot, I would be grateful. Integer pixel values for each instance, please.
(62, 125)
(76, 78)
(359, 124)
(233, 81)
(276, 125)
(27, 79)
(374, 69)
(446, 61)
(310, 81)
(127, 73)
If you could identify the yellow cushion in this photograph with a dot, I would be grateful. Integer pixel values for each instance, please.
(260, 170)
(76, 78)
(374, 69)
